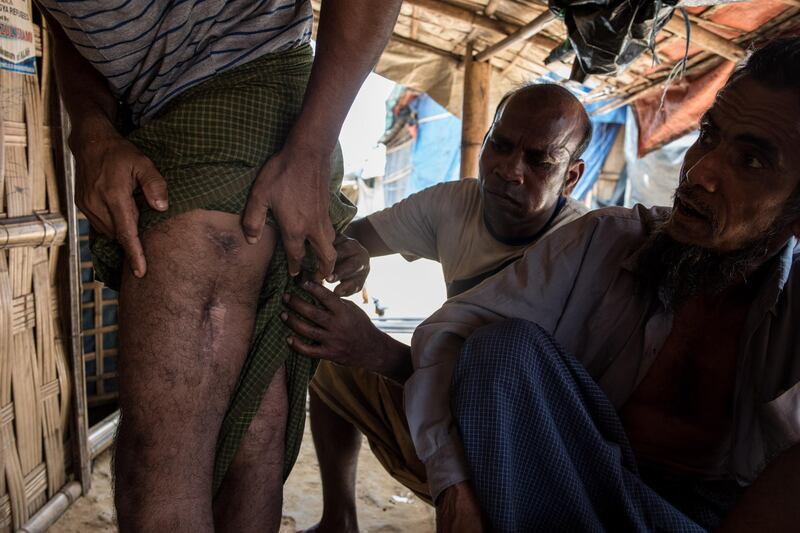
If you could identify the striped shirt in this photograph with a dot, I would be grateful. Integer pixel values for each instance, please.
(152, 50)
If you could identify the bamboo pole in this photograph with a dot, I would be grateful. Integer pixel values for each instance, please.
(475, 115)
(102, 434)
(705, 39)
(526, 32)
(36, 230)
(53, 509)
(80, 441)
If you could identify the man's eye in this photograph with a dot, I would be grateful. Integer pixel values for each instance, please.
(500, 146)
(706, 136)
(752, 161)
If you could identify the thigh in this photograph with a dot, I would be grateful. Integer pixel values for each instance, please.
(185, 329)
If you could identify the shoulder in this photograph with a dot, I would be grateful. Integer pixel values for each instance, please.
(611, 226)
(634, 217)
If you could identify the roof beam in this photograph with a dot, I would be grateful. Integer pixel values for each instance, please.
(707, 40)
(464, 15)
(397, 38)
(524, 33)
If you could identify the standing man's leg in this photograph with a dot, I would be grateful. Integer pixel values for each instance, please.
(251, 495)
(185, 330)
(337, 443)
(545, 447)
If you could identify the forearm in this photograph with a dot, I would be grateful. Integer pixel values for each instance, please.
(396, 362)
(350, 38)
(91, 107)
(770, 504)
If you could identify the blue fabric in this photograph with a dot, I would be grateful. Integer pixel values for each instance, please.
(546, 449)
(437, 151)
(603, 136)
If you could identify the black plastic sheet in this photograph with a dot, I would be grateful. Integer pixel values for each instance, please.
(608, 35)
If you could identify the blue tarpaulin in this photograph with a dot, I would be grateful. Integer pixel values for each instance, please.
(434, 155)
(437, 151)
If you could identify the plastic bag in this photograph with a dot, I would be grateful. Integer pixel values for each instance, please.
(608, 35)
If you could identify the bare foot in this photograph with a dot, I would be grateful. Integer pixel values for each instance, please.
(343, 525)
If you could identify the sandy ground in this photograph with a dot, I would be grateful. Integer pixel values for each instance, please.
(383, 504)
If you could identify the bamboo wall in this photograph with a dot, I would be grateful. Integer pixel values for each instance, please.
(34, 374)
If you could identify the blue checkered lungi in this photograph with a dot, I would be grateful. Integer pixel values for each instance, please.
(545, 447)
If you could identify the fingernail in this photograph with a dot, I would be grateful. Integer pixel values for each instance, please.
(250, 239)
(161, 204)
(331, 278)
(284, 316)
(289, 340)
(137, 273)
(286, 297)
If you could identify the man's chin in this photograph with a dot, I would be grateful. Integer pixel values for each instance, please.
(683, 235)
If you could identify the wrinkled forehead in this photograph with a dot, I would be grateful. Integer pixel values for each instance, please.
(542, 127)
(746, 106)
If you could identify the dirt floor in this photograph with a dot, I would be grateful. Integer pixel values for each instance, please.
(383, 504)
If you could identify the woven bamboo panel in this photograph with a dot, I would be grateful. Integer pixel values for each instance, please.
(98, 330)
(34, 378)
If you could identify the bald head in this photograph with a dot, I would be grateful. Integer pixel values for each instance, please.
(546, 102)
(531, 158)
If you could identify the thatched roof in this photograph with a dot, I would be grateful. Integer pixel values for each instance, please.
(431, 37)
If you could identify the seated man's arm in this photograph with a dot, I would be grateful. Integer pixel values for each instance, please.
(409, 227)
(341, 332)
(363, 231)
(535, 288)
(771, 503)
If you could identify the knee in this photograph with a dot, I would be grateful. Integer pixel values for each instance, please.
(511, 344)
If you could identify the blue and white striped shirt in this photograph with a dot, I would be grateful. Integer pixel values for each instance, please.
(152, 50)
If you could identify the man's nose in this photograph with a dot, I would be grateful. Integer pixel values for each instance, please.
(706, 171)
(512, 169)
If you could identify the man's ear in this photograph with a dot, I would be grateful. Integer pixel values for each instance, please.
(574, 173)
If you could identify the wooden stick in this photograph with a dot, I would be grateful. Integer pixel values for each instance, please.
(426, 47)
(414, 23)
(475, 114)
(525, 33)
(706, 40)
(491, 7)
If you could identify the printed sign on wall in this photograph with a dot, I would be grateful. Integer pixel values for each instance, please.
(17, 50)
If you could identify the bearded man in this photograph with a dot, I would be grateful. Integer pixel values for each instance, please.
(647, 377)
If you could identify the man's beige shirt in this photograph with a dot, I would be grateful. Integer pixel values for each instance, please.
(445, 223)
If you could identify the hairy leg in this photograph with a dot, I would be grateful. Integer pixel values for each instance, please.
(251, 495)
(337, 443)
(185, 330)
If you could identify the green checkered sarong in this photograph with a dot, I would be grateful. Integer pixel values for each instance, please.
(209, 144)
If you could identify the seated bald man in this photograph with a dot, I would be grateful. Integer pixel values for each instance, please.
(639, 369)
(529, 163)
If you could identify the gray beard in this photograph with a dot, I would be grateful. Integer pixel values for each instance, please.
(679, 272)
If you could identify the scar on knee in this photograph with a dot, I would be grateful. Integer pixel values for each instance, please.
(226, 243)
